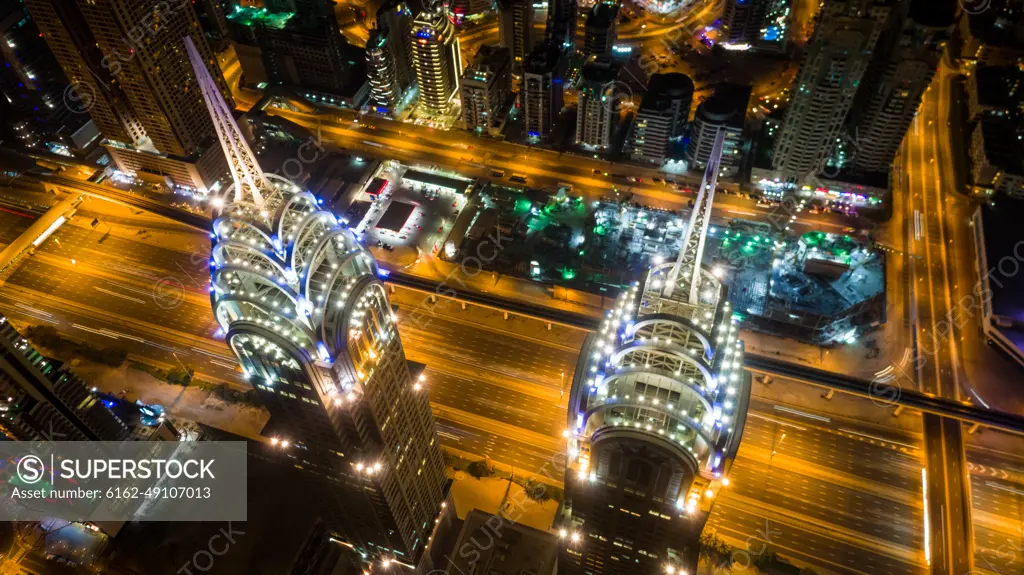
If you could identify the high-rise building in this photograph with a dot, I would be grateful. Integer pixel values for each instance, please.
(394, 17)
(308, 52)
(42, 401)
(600, 29)
(136, 83)
(891, 99)
(661, 117)
(487, 89)
(656, 413)
(561, 23)
(310, 323)
(382, 71)
(743, 20)
(515, 29)
(597, 111)
(823, 92)
(33, 85)
(213, 21)
(542, 89)
(725, 111)
(436, 58)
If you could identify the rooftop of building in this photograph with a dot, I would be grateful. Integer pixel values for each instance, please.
(599, 72)
(543, 58)
(520, 548)
(602, 15)
(663, 89)
(252, 16)
(1004, 143)
(1002, 237)
(727, 104)
(490, 58)
(1001, 87)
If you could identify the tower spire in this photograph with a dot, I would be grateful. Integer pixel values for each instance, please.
(250, 184)
(685, 275)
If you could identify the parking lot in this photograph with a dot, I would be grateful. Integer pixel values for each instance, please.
(409, 209)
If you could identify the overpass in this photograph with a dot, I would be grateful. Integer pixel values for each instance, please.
(843, 383)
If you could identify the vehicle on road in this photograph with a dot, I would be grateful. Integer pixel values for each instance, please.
(517, 178)
(497, 173)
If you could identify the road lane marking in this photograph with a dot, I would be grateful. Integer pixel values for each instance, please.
(773, 420)
(802, 413)
(875, 437)
(91, 330)
(995, 485)
(115, 294)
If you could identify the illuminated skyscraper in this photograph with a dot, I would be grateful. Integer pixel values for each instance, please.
(382, 71)
(394, 17)
(136, 83)
(656, 413)
(301, 307)
(597, 113)
(725, 111)
(542, 89)
(832, 69)
(661, 118)
(891, 96)
(436, 58)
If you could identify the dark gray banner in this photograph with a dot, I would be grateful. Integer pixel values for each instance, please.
(123, 481)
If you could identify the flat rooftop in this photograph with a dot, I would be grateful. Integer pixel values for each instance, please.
(432, 179)
(395, 216)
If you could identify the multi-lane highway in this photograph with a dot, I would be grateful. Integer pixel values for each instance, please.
(837, 495)
(946, 325)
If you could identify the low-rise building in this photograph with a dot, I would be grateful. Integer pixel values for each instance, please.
(499, 546)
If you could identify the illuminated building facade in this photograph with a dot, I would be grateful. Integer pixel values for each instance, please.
(382, 71)
(437, 59)
(597, 113)
(301, 306)
(136, 83)
(661, 118)
(724, 111)
(395, 18)
(656, 413)
(823, 92)
(891, 97)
